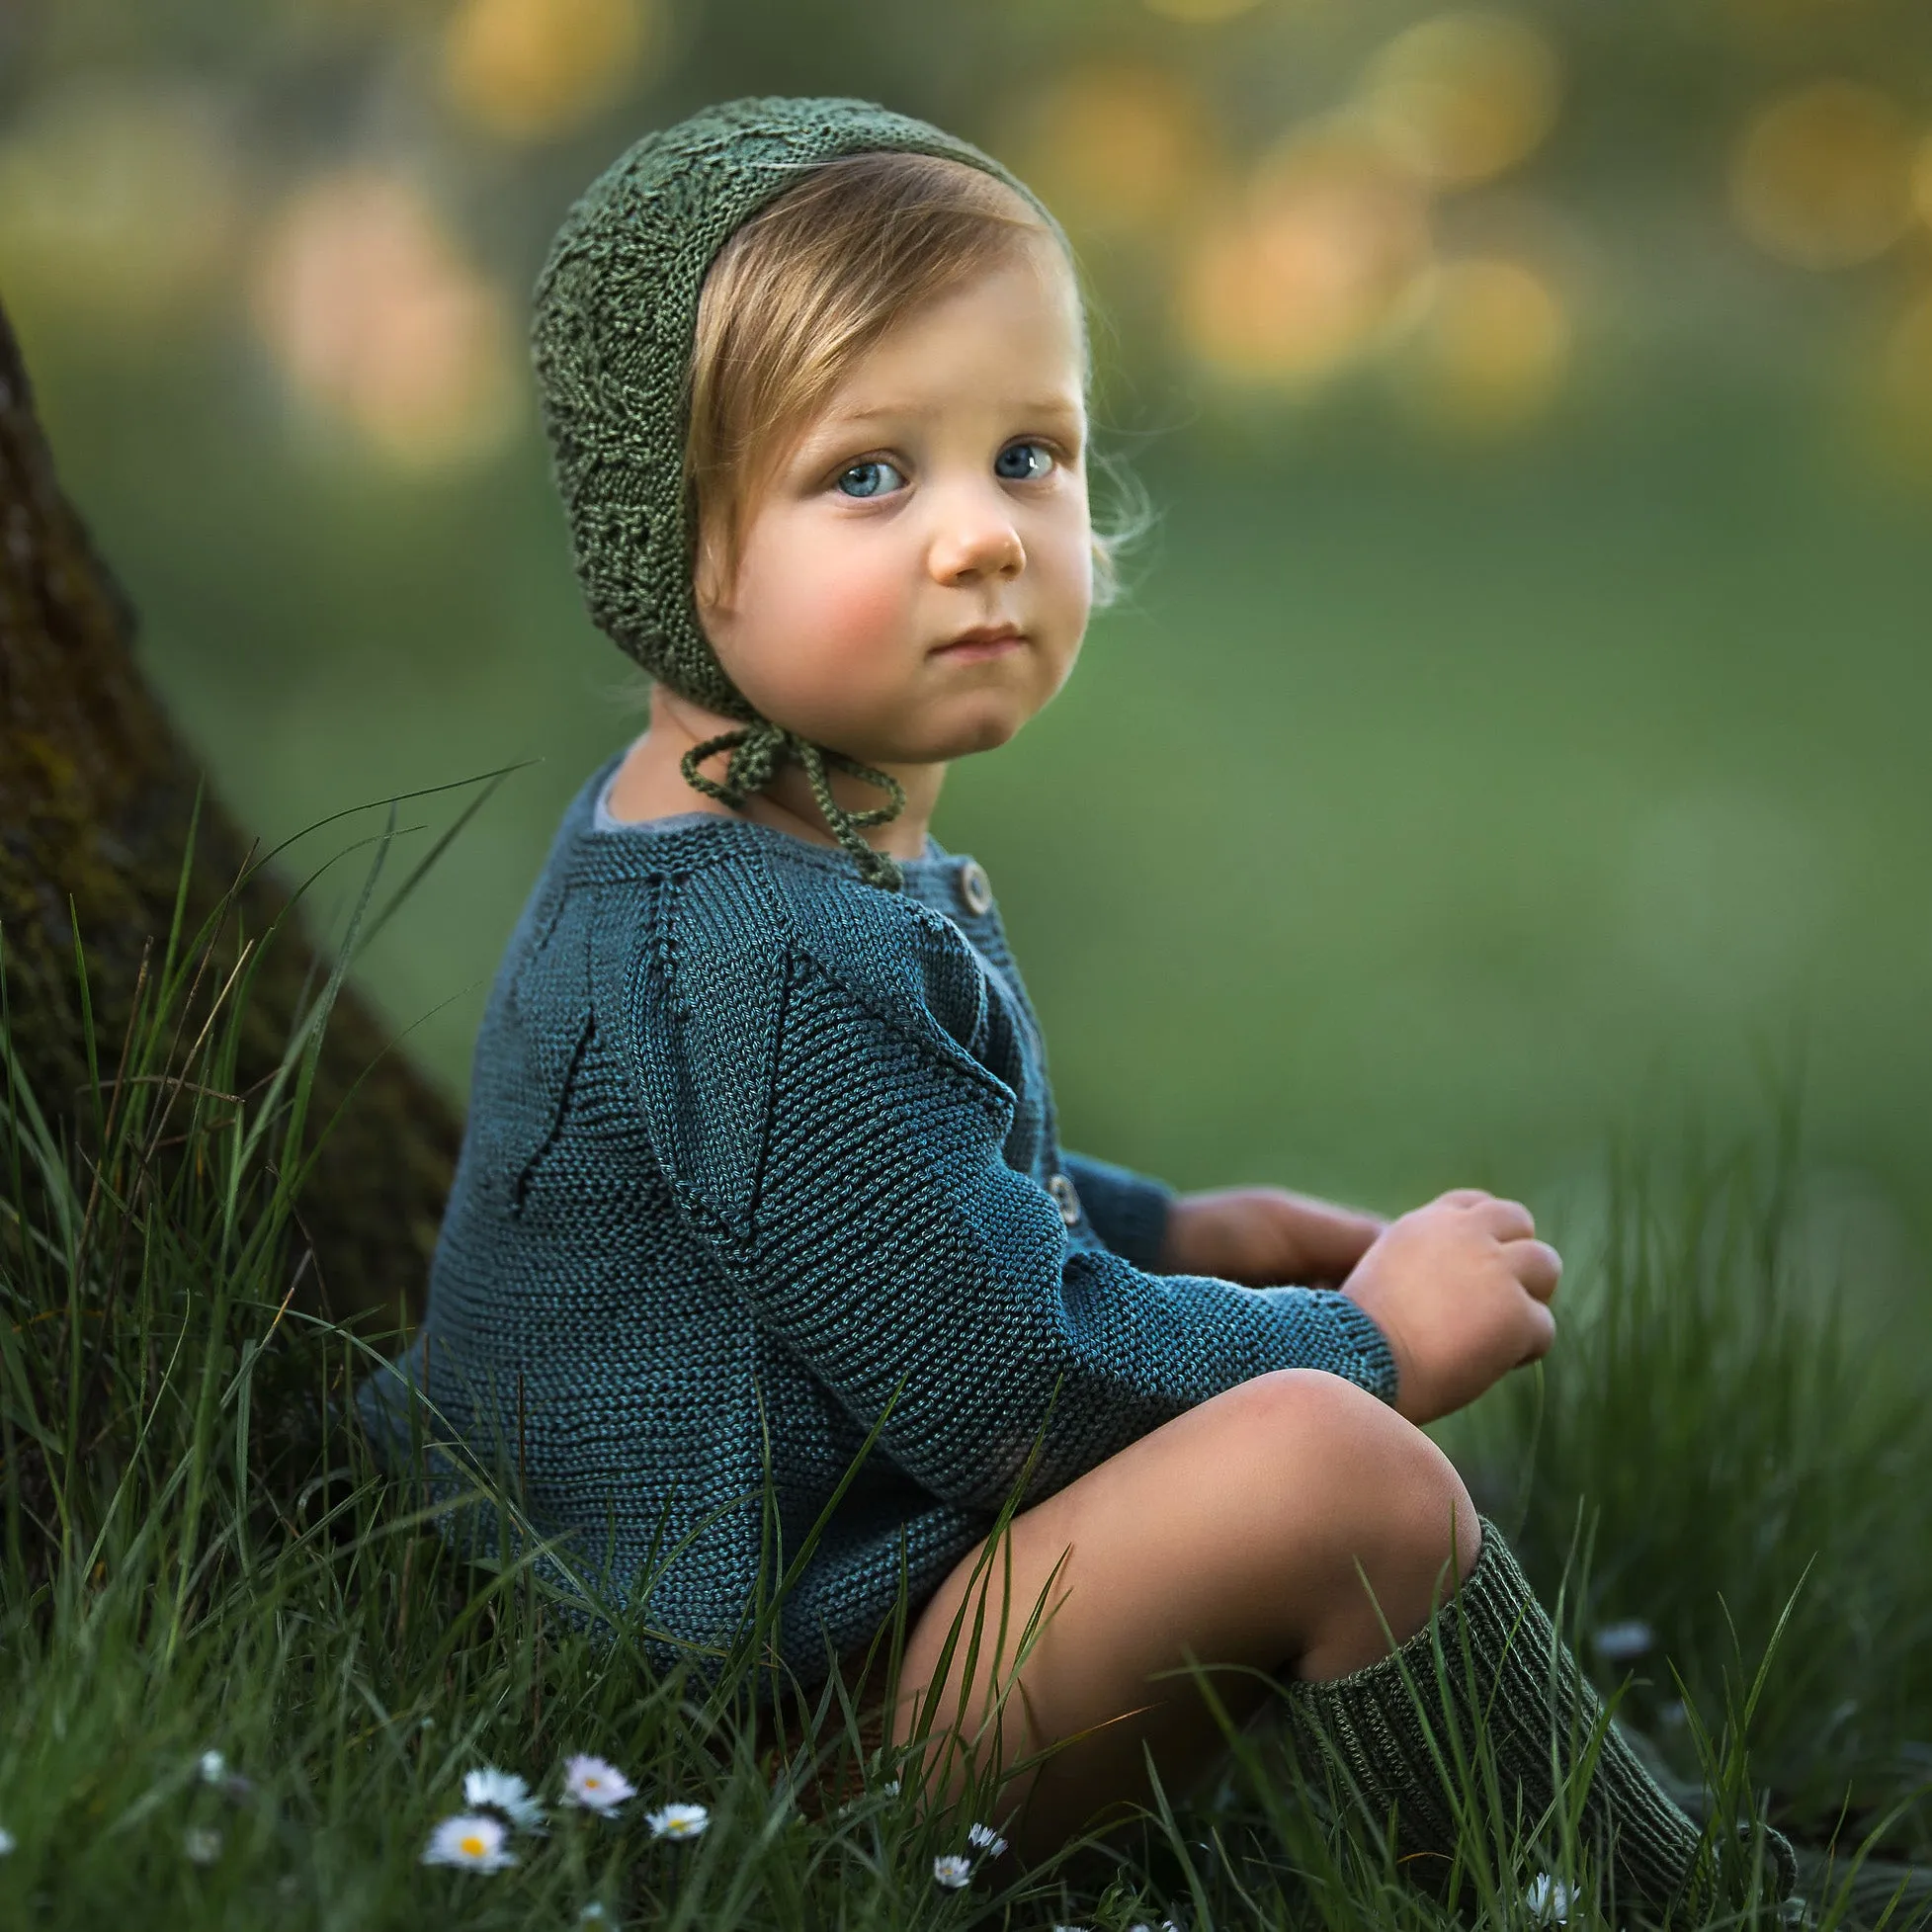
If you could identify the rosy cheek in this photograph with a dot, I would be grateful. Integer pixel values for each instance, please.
(822, 616)
(851, 603)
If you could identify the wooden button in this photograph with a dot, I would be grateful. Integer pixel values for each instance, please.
(975, 889)
(1061, 1188)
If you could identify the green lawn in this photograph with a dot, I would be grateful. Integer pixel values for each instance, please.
(198, 1558)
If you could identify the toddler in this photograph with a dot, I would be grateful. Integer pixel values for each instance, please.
(761, 1162)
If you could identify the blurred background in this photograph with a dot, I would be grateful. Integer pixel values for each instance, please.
(1512, 742)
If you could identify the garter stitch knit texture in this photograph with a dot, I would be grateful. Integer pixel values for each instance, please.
(754, 1151)
(616, 314)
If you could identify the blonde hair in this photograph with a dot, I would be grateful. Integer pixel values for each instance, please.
(805, 287)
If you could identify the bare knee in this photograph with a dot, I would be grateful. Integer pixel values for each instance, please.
(1323, 1423)
(1359, 1496)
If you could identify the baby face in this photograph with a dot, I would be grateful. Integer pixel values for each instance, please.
(916, 572)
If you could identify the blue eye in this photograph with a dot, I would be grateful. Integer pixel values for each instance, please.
(873, 478)
(1023, 463)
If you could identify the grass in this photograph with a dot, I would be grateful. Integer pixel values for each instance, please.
(200, 1556)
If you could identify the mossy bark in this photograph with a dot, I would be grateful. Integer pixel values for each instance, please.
(96, 799)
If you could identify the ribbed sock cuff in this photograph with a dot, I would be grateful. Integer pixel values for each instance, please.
(1521, 1682)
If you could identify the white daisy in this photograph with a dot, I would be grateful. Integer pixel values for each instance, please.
(951, 1870)
(1621, 1642)
(473, 1841)
(983, 1838)
(7, 1841)
(212, 1767)
(677, 1820)
(1547, 1899)
(201, 1845)
(486, 1789)
(594, 1783)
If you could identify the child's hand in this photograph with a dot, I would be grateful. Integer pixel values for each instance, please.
(1461, 1288)
(1264, 1236)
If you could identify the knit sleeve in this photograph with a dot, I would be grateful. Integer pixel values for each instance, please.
(1129, 1211)
(840, 1146)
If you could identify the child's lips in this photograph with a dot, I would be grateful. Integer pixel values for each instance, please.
(987, 641)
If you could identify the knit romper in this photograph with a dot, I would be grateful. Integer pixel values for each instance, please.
(756, 1155)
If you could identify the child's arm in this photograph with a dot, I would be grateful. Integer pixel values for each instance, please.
(1259, 1236)
(1262, 1236)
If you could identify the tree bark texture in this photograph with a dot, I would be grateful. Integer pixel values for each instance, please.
(96, 795)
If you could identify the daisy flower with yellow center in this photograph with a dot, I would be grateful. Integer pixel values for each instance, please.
(473, 1842)
(678, 1821)
(594, 1783)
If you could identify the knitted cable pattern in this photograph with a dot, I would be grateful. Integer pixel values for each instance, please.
(615, 316)
(1524, 1686)
(755, 1156)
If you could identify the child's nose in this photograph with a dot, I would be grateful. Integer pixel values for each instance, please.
(975, 541)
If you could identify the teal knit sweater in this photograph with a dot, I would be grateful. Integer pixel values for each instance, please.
(754, 1151)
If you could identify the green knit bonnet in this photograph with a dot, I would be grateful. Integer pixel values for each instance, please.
(616, 314)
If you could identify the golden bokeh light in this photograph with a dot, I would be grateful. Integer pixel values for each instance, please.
(1119, 147)
(530, 69)
(376, 320)
(1822, 176)
(117, 203)
(1200, 13)
(1310, 271)
(1490, 350)
(1465, 97)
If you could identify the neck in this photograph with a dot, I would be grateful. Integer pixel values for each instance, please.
(655, 782)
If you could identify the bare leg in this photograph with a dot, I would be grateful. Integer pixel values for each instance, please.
(1231, 1536)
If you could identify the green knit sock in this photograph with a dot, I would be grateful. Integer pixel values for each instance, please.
(1528, 1684)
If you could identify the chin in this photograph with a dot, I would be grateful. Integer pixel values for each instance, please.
(986, 732)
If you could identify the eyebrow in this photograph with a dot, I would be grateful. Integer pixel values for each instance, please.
(1036, 407)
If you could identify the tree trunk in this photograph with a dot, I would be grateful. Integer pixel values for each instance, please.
(96, 795)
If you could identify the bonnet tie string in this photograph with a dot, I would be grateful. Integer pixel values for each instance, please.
(757, 751)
